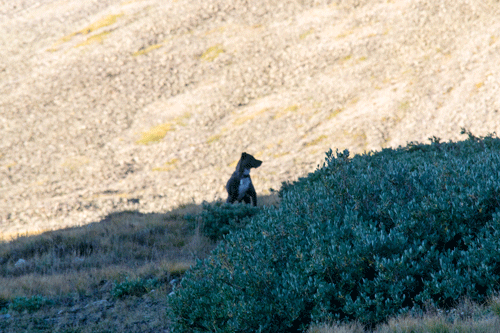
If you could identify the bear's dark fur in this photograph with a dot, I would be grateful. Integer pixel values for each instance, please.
(239, 187)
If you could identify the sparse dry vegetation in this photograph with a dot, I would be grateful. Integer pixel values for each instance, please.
(212, 53)
(154, 134)
(82, 81)
(147, 49)
(87, 278)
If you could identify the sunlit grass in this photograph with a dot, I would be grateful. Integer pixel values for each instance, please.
(167, 166)
(212, 53)
(147, 49)
(154, 134)
(101, 23)
(98, 38)
(245, 118)
(289, 109)
(316, 141)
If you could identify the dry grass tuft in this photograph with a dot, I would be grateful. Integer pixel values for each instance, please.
(289, 109)
(244, 119)
(147, 49)
(167, 166)
(101, 23)
(316, 141)
(113, 275)
(333, 114)
(305, 34)
(214, 138)
(98, 38)
(154, 134)
(76, 259)
(212, 53)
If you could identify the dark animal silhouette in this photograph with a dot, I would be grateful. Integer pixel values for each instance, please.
(239, 187)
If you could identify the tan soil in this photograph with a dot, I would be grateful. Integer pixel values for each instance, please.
(283, 80)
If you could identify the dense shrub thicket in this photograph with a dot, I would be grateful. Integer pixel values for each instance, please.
(219, 219)
(361, 238)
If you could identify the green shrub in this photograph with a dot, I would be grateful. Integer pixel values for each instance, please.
(4, 303)
(137, 287)
(29, 304)
(219, 219)
(361, 239)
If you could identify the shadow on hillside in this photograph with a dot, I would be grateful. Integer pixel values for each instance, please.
(133, 220)
(124, 243)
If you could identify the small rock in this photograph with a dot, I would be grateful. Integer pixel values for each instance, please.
(74, 309)
(20, 263)
(101, 303)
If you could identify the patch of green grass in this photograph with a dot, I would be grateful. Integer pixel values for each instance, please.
(29, 304)
(135, 287)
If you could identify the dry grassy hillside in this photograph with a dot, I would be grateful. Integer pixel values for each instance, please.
(112, 105)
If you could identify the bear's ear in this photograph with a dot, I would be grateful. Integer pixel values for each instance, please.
(243, 155)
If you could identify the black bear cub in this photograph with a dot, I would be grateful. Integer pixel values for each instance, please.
(239, 187)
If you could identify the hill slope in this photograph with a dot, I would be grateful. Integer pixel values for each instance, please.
(115, 105)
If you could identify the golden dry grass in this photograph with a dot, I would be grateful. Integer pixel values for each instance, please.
(57, 262)
(66, 276)
(212, 53)
(147, 49)
(100, 23)
(154, 134)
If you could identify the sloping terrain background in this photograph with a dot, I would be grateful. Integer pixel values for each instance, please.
(113, 105)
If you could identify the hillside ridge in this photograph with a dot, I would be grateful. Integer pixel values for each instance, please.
(146, 105)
